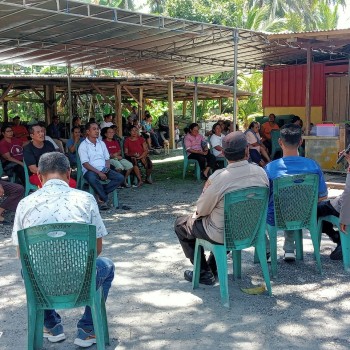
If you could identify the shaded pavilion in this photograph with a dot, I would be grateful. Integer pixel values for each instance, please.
(71, 33)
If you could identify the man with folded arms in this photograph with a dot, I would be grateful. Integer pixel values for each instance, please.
(208, 220)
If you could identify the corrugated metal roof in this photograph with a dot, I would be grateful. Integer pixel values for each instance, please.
(61, 32)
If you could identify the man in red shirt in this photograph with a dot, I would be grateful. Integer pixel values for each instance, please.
(19, 131)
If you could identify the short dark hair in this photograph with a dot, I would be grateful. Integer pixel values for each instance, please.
(251, 125)
(5, 126)
(291, 135)
(53, 162)
(88, 124)
(75, 127)
(192, 126)
(214, 126)
(31, 128)
(107, 115)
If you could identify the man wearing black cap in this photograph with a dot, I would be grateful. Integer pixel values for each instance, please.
(208, 220)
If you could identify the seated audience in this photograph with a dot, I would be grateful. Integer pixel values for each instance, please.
(136, 150)
(34, 150)
(148, 133)
(164, 124)
(291, 164)
(207, 221)
(11, 151)
(57, 203)
(107, 121)
(48, 138)
(54, 131)
(94, 158)
(19, 131)
(117, 161)
(216, 141)
(257, 150)
(340, 207)
(13, 193)
(265, 131)
(73, 144)
(197, 148)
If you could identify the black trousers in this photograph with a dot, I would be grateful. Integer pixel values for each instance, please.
(325, 208)
(204, 160)
(187, 230)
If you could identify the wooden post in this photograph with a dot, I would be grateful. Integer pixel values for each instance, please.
(220, 105)
(171, 114)
(184, 105)
(141, 106)
(5, 109)
(195, 100)
(308, 90)
(118, 109)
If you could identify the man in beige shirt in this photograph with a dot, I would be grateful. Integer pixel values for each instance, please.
(208, 221)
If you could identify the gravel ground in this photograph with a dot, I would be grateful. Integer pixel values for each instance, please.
(150, 306)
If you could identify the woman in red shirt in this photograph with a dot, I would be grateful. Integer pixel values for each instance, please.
(115, 151)
(11, 151)
(136, 151)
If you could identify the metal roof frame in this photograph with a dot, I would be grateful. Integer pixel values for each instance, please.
(65, 32)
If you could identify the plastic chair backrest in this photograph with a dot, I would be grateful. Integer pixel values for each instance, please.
(295, 201)
(1, 169)
(275, 135)
(184, 152)
(59, 264)
(245, 216)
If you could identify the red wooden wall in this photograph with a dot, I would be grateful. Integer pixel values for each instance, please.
(285, 86)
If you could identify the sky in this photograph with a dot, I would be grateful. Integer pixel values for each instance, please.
(344, 16)
(343, 23)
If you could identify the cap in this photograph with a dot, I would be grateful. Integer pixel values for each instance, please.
(234, 144)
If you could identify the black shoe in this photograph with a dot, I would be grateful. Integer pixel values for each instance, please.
(337, 253)
(206, 277)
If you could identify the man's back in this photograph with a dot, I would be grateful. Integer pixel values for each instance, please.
(57, 202)
(292, 165)
(210, 204)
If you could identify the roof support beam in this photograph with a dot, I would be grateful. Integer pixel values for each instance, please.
(235, 43)
(308, 90)
(5, 93)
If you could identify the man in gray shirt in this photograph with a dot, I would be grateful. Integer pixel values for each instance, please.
(340, 207)
(208, 220)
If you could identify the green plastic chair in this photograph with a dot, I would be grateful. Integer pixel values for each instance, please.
(245, 221)
(275, 147)
(59, 271)
(344, 238)
(28, 186)
(187, 162)
(295, 201)
(81, 182)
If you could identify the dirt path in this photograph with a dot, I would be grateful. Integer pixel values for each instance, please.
(151, 307)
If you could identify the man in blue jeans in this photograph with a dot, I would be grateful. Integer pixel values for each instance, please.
(57, 202)
(94, 158)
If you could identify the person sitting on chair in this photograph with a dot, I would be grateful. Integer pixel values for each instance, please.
(55, 202)
(291, 164)
(197, 148)
(266, 129)
(94, 158)
(34, 150)
(339, 207)
(256, 147)
(13, 193)
(208, 220)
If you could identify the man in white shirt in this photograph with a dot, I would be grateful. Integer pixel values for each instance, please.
(107, 121)
(94, 158)
(57, 202)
